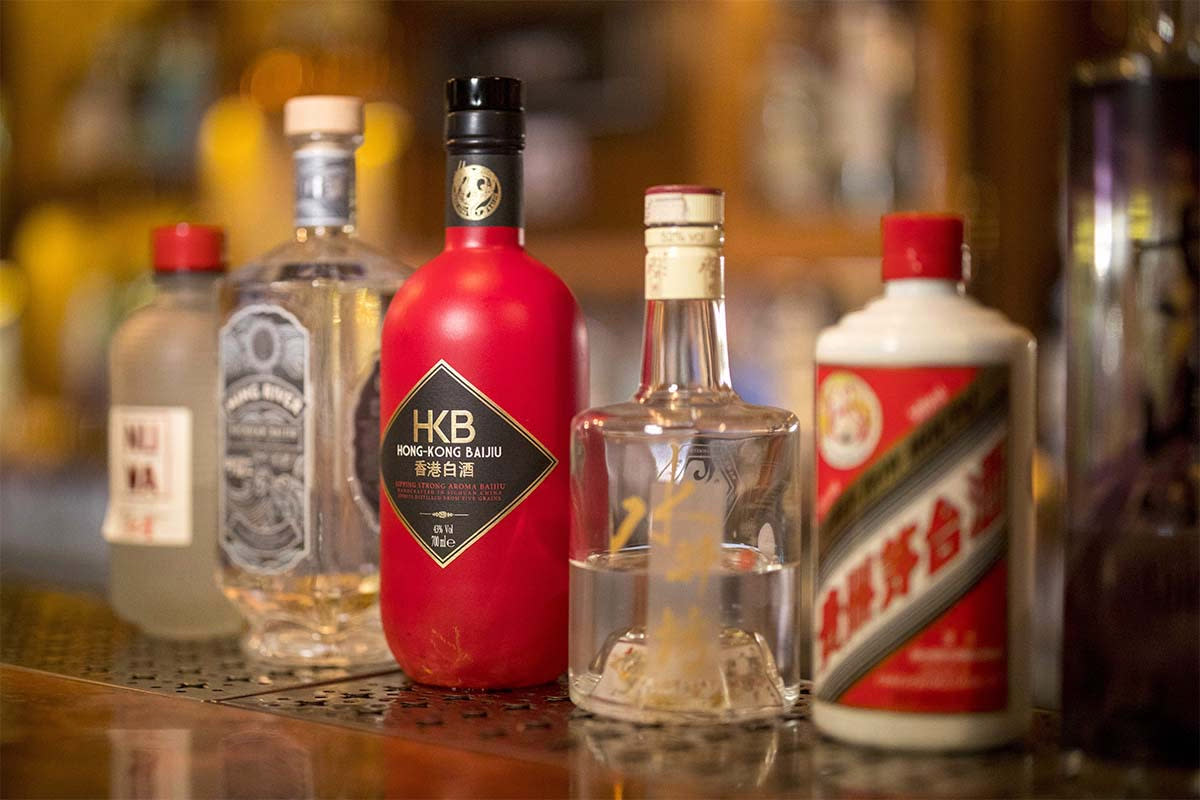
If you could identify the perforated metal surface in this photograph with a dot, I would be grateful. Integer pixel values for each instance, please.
(78, 636)
(528, 723)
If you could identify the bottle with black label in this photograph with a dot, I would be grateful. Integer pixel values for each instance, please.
(298, 385)
(484, 364)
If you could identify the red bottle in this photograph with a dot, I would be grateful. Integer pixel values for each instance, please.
(484, 363)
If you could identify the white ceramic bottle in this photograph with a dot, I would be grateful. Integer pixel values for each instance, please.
(924, 508)
(162, 514)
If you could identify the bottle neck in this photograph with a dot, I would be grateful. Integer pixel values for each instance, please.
(186, 287)
(922, 287)
(325, 178)
(685, 351)
(485, 203)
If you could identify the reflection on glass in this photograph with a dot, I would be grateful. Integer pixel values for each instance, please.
(1131, 654)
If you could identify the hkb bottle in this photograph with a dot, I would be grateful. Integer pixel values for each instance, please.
(484, 364)
(924, 508)
(686, 528)
(299, 414)
(162, 515)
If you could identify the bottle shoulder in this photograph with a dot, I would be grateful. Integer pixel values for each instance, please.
(731, 419)
(175, 338)
(344, 259)
(922, 329)
(495, 280)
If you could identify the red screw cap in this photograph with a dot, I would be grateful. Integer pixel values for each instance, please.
(187, 247)
(922, 246)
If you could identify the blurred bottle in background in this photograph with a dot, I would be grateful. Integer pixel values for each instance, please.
(1131, 653)
(161, 524)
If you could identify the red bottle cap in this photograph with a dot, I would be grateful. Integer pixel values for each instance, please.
(188, 247)
(922, 246)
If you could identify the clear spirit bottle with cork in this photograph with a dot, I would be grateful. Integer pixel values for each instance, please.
(299, 413)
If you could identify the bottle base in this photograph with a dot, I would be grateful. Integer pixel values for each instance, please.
(219, 624)
(744, 684)
(288, 644)
(899, 730)
(628, 713)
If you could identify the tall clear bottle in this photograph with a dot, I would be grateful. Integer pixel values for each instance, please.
(686, 528)
(299, 414)
(1131, 653)
(161, 523)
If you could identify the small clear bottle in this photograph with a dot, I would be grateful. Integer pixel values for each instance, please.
(924, 508)
(161, 523)
(686, 527)
(298, 385)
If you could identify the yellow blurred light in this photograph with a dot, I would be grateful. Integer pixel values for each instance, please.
(274, 77)
(387, 133)
(54, 246)
(1141, 220)
(14, 293)
(233, 133)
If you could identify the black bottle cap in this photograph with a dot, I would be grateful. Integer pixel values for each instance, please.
(484, 93)
(484, 114)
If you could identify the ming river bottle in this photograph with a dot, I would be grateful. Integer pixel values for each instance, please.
(924, 508)
(686, 528)
(298, 388)
(162, 514)
(484, 364)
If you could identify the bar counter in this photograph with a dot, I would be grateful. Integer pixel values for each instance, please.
(89, 708)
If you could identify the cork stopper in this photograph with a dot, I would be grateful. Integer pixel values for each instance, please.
(331, 114)
(678, 204)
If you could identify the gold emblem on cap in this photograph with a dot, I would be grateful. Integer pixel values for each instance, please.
(474, 191)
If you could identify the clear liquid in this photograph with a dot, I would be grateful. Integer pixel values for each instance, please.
(759, 670)
(324, 608)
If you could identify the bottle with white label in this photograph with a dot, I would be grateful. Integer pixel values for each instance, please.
(298, 388)
(162, 514)
(924, 508)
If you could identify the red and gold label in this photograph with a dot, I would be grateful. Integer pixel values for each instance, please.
(911, 610)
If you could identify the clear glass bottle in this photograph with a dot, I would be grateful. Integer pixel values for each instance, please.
(299, 393)
(686, 527)
(161, 523)
(1131, 612)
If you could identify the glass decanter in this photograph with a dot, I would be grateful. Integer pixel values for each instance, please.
(299, 422)
(686, 523)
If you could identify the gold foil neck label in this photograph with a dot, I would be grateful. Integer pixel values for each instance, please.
(475, 191)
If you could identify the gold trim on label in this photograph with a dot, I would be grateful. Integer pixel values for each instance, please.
(504, 512)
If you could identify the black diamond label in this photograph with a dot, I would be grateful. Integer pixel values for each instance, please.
(454, 463)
